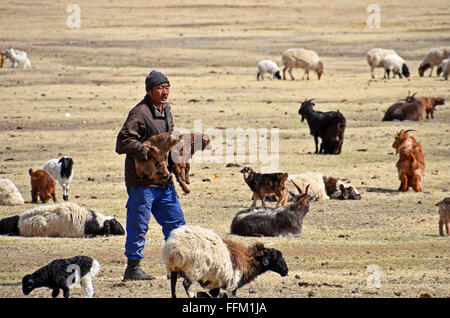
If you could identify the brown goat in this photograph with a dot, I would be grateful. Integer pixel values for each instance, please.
(429, 103)
(42, 184)
(262, 184)
(155, 168)
(408, 109)
(181, 153)
(411, 162)
(444, 216)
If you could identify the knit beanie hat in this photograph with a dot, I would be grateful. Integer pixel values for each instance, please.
(155, 78)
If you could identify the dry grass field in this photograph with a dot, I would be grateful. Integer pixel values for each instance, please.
(83, 82)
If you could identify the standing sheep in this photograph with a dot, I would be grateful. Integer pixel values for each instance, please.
(396, 64)
(200, 255)
(64, 274)
(9, 194)
(433, 58)
(267, 66)
(301, 58)
(62, 170)
(18, 58)
(444, 67)
(444, 216)
(61, 220)
(375, 56)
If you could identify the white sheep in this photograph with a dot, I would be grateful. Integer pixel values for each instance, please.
(375, 56)
(64, 274)
(395, 64)
(267, 66)
(444, 67)
(62, 170)
(9, 194)
(324, 187)
(301, 58)
(200, 255)
(433, 58)
(18, 58)
(61, 220)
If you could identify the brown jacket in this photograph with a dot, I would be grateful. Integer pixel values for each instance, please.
(143, 121)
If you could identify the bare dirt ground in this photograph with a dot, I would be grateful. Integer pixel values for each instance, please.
(84, 81)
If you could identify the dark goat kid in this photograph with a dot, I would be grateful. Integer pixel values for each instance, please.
(329, 126)
(266, 183)
(282, 221)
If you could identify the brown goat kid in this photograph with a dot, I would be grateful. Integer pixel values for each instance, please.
(430, 103)
(411, 162)
(181, 153)
(155, 168)
(42, 185)
(262, 184)
(444, 216)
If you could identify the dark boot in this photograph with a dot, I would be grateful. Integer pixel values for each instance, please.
(134, 272)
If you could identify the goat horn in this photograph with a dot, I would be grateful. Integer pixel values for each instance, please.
(298, 188)
(307, 187)
(414, 94)
(409, 130)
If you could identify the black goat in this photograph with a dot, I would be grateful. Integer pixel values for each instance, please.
(329, 126)
(408, 109)
(282, 221)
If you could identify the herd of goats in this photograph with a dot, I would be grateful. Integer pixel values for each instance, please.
(200, 255)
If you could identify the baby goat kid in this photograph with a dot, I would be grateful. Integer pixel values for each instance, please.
(42, 185)
(444, 216)
(64, 274)
(411, 162)
(262, 184)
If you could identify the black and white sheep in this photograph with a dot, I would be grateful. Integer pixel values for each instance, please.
(445, 68)
(61, 220)
(64, 274)
(9, 194)
(62, 170)
(200, 255)
(395, 64)
(375, 58)
(268, 66)
(281, 221)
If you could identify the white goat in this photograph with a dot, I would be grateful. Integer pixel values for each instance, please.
(18, 58)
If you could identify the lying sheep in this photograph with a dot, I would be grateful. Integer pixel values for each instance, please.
(42, 185)
(9, 194)
(375, 56)
(61, 220)
(433, 58)
(64, 274)
(395, 64)
(18, 58)
(324, 187)
(267, 66)
(200, 255)
(62, 171)
(301, 58)
(444, 67)
(444, 216)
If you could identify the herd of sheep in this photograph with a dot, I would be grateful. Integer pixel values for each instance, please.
(197, 254)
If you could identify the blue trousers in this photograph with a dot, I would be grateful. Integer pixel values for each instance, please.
(163, 203)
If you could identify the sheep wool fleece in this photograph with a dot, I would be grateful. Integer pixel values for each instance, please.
(163, 203)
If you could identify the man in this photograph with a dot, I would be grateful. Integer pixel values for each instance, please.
(150, 117)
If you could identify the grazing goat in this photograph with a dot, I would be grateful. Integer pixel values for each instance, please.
(42, 185)
(408, 109)
(62, 170)
(329, 126)
(156, 167)
(444, 216)
(181, 153)
(200, 255)
(265, 183)
(281, 221)
(411, 162)
(64, 274)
